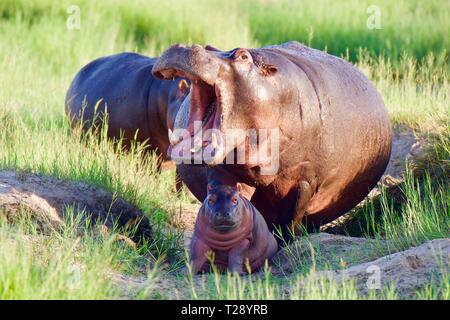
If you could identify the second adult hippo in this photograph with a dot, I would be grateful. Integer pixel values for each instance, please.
(139, 106)
(304, 132)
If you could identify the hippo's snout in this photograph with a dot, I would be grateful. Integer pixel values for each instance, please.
(192, 62)
(224, 217)
(225, 224)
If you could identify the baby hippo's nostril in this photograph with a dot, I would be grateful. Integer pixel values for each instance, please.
(223, 214)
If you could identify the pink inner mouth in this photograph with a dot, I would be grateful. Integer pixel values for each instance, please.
(204, 105)
(205, 114)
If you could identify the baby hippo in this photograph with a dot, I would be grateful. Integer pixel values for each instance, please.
(233, 229)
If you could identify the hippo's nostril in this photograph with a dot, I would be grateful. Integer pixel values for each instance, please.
(222, 215)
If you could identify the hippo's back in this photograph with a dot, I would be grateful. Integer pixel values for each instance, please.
(118, 83)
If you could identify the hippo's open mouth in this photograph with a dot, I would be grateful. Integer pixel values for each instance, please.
(201, 130)
(198, 128)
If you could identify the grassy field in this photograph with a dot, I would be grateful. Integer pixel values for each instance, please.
(407, 59)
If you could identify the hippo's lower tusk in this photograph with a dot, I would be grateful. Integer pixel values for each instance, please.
(183, 86)
(197, 145)
(214, 141)
(173, 139)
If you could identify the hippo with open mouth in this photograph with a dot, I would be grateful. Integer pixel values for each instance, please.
(333, 134)
(305, 133)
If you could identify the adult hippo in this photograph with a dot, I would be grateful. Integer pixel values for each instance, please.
(323, 122)
(326, 127)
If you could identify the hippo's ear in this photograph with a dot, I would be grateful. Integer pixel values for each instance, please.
(209, 187)
(260, 61)
(238, 187)
(268, 69)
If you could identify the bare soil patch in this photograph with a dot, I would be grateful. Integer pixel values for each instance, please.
(51, 201)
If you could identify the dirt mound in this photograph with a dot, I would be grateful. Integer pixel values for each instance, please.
(326, 251)
(407, 271)
(364, 261)
(405, 146)
(335, 258)
(51, 201)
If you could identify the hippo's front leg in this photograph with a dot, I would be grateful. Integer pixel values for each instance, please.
(305, 193)
(237, 255)
(198, 254)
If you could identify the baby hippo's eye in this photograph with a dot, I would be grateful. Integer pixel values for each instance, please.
(211, 200)
(234, 200)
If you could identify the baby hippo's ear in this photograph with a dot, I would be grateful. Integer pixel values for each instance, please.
(238, 187)
(209, 187)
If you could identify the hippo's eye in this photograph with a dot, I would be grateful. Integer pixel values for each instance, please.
(211, 200)
(241, 55)
(234, 200)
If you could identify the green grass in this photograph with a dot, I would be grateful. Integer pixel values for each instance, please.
(64, 264)
(423, 213)
(407, 60)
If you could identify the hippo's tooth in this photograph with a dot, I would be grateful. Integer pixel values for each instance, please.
(195, 149)
(183, 85)
(173, 138)
(197, 145)
(214, 140)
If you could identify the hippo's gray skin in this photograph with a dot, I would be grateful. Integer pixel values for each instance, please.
(139, 105)
(334, 131)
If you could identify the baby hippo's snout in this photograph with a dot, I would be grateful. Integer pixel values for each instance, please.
(223, 207)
